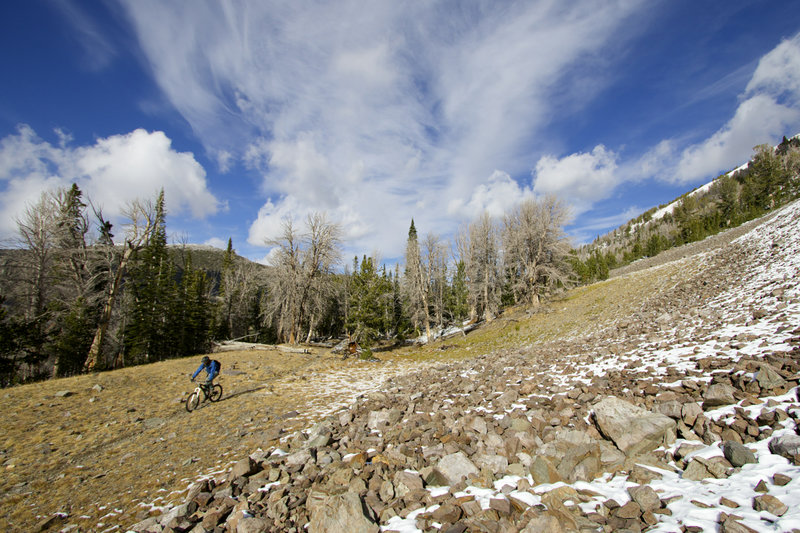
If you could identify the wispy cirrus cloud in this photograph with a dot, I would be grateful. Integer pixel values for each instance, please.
(376, 112)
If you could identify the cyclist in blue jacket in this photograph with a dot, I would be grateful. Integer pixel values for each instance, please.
(211, 366)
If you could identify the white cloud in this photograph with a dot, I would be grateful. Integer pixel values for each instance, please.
(769, 109)
(111, 172)
(217, 243)
(497, 196)
(374, 112)
(578, 179)
(757, 120)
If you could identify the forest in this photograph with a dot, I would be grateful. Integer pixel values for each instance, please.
(79, 295)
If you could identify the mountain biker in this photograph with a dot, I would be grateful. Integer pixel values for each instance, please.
(211, 366)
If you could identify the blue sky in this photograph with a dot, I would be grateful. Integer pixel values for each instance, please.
(248, 112)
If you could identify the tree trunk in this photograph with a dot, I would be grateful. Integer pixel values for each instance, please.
(105, 317)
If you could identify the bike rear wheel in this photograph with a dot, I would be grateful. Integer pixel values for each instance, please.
(193, 401)
(216, 392)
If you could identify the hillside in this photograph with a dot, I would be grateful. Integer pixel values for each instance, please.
(706, 346)
(769, 180)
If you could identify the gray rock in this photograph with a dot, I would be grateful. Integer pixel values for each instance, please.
(672, 409)
(380, 420)
(737, 454)
(495, 463)
(717, 395)
(451, 469)
(341, 512)
(696, 471)
(298, 458)
(63, 394)
(787, 446)
(633, 429)
(690, 411)
(252, 525)
(646, 497)
(768, 378)
(243, 468)
(405, 482)
(544, 522)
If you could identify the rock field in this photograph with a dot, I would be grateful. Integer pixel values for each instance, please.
(681, 416)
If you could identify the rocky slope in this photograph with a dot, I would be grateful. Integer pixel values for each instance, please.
(678, 414)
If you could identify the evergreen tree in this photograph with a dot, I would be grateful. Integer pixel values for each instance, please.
(152, 292)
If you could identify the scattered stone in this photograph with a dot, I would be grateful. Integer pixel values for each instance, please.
(341, 512)
(645, 497)
(737, 454)
(787, 446)
(769, 503)
(451, 469)
(718, 394)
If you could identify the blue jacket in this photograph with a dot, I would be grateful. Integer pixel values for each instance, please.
(212, 369)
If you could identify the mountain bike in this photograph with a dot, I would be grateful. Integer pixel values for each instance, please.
(209, 392)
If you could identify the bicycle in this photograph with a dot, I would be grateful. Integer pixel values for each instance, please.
(212, 393)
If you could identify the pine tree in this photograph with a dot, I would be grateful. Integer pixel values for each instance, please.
(152, 290)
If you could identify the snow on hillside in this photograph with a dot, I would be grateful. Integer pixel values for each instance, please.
(776, 259)
(723, 329)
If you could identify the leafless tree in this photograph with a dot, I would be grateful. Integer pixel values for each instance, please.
(435, 260)
(141, 217)
(415, 284)
(37, 236)
(301, 279)
(478, 247)
(536, 248)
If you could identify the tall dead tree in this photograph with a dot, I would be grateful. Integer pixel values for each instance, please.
(415, 283)
(479, 249)
(142, 217)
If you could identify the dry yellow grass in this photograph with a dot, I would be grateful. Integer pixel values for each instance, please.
(103, 456)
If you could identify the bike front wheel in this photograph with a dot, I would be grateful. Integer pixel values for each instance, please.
(216, 392)
(193, 401)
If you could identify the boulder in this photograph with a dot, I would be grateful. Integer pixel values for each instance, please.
(645, 497)
(737, 454)
(787, 446)
(633, 429)
(243, 468)
(768, 378)
(451, 469)
(341, 512)
(380, 420)
(718, 394)
(769, 503)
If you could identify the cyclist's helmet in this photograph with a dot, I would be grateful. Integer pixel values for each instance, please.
(205, 360)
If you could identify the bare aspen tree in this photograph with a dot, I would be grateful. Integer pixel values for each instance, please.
(142, 217)
(435, 262)
(478, 248)
(301, 278)
(415, 283)
(536, 248)
(37, 234)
